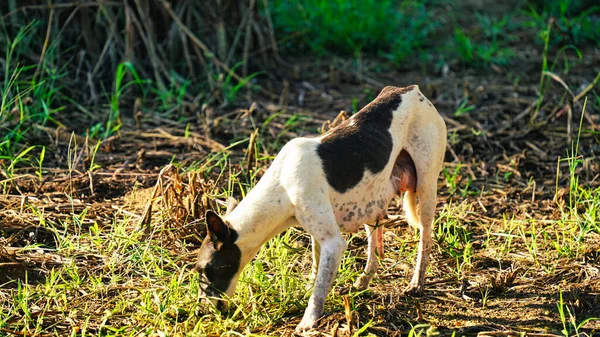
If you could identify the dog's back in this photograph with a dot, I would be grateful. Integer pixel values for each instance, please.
(369, 158)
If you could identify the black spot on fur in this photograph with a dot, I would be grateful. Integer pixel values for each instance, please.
(361, 142)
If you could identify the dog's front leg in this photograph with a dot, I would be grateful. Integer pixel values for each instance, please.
(332, 251)
(320, 223)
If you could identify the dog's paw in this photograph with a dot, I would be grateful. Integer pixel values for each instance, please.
(362, 282)
(305, 326)
(309, 321)
(414, 290)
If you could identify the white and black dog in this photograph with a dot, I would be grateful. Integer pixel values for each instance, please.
(332, 183)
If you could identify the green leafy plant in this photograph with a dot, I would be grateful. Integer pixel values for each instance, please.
(568, 319)
(484, 52)
(113, 123)
(464, 108)
(230, 90)
(574, 20)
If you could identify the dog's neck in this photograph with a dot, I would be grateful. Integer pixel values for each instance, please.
(260, 216)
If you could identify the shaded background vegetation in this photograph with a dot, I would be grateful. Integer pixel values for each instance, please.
(82, 64)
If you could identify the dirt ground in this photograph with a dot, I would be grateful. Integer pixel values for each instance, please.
(500, 155)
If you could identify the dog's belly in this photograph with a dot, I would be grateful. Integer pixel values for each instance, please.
(365, 204)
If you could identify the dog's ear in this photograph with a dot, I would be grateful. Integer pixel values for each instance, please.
(231, 204)
(217, 228)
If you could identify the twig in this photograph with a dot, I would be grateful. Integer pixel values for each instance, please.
(236, 38)
(271, 29)
(248, 39)
(560, 81)
(45, 47)
(588, 88)
(149, 42)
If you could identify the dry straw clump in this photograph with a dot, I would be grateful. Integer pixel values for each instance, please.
(182, 205)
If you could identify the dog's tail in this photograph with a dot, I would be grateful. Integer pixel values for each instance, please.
(410, 208)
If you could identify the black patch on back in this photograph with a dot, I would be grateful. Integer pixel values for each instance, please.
(348, 150)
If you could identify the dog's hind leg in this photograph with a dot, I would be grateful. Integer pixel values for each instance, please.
(318, 220)
(373, 236)
(427, 193)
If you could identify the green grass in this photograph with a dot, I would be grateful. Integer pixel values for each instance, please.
(489, 51)
(395, 30)
(575, 22)
(109, 281)
(409, 31)
(50, 94)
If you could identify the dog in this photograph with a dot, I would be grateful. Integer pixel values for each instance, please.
(335, 183)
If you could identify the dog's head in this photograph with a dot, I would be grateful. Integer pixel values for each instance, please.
(218, 259)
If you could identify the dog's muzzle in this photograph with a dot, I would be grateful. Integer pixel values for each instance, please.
(213, 295)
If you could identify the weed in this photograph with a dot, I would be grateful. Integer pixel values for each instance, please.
(354, 105)
(563, 52)
(492, 29)
(464, 46)
(113, 123)
(175, 94)
(575, 22)
(454, 181)
(545, 34)
(419, 330)
(452, 177)
(485, 293)
(481, 53)
(231, 90)
(570, 325)
(530, 239)
(14, 92)
(453, 237)
(40, 161)
(463, 108)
